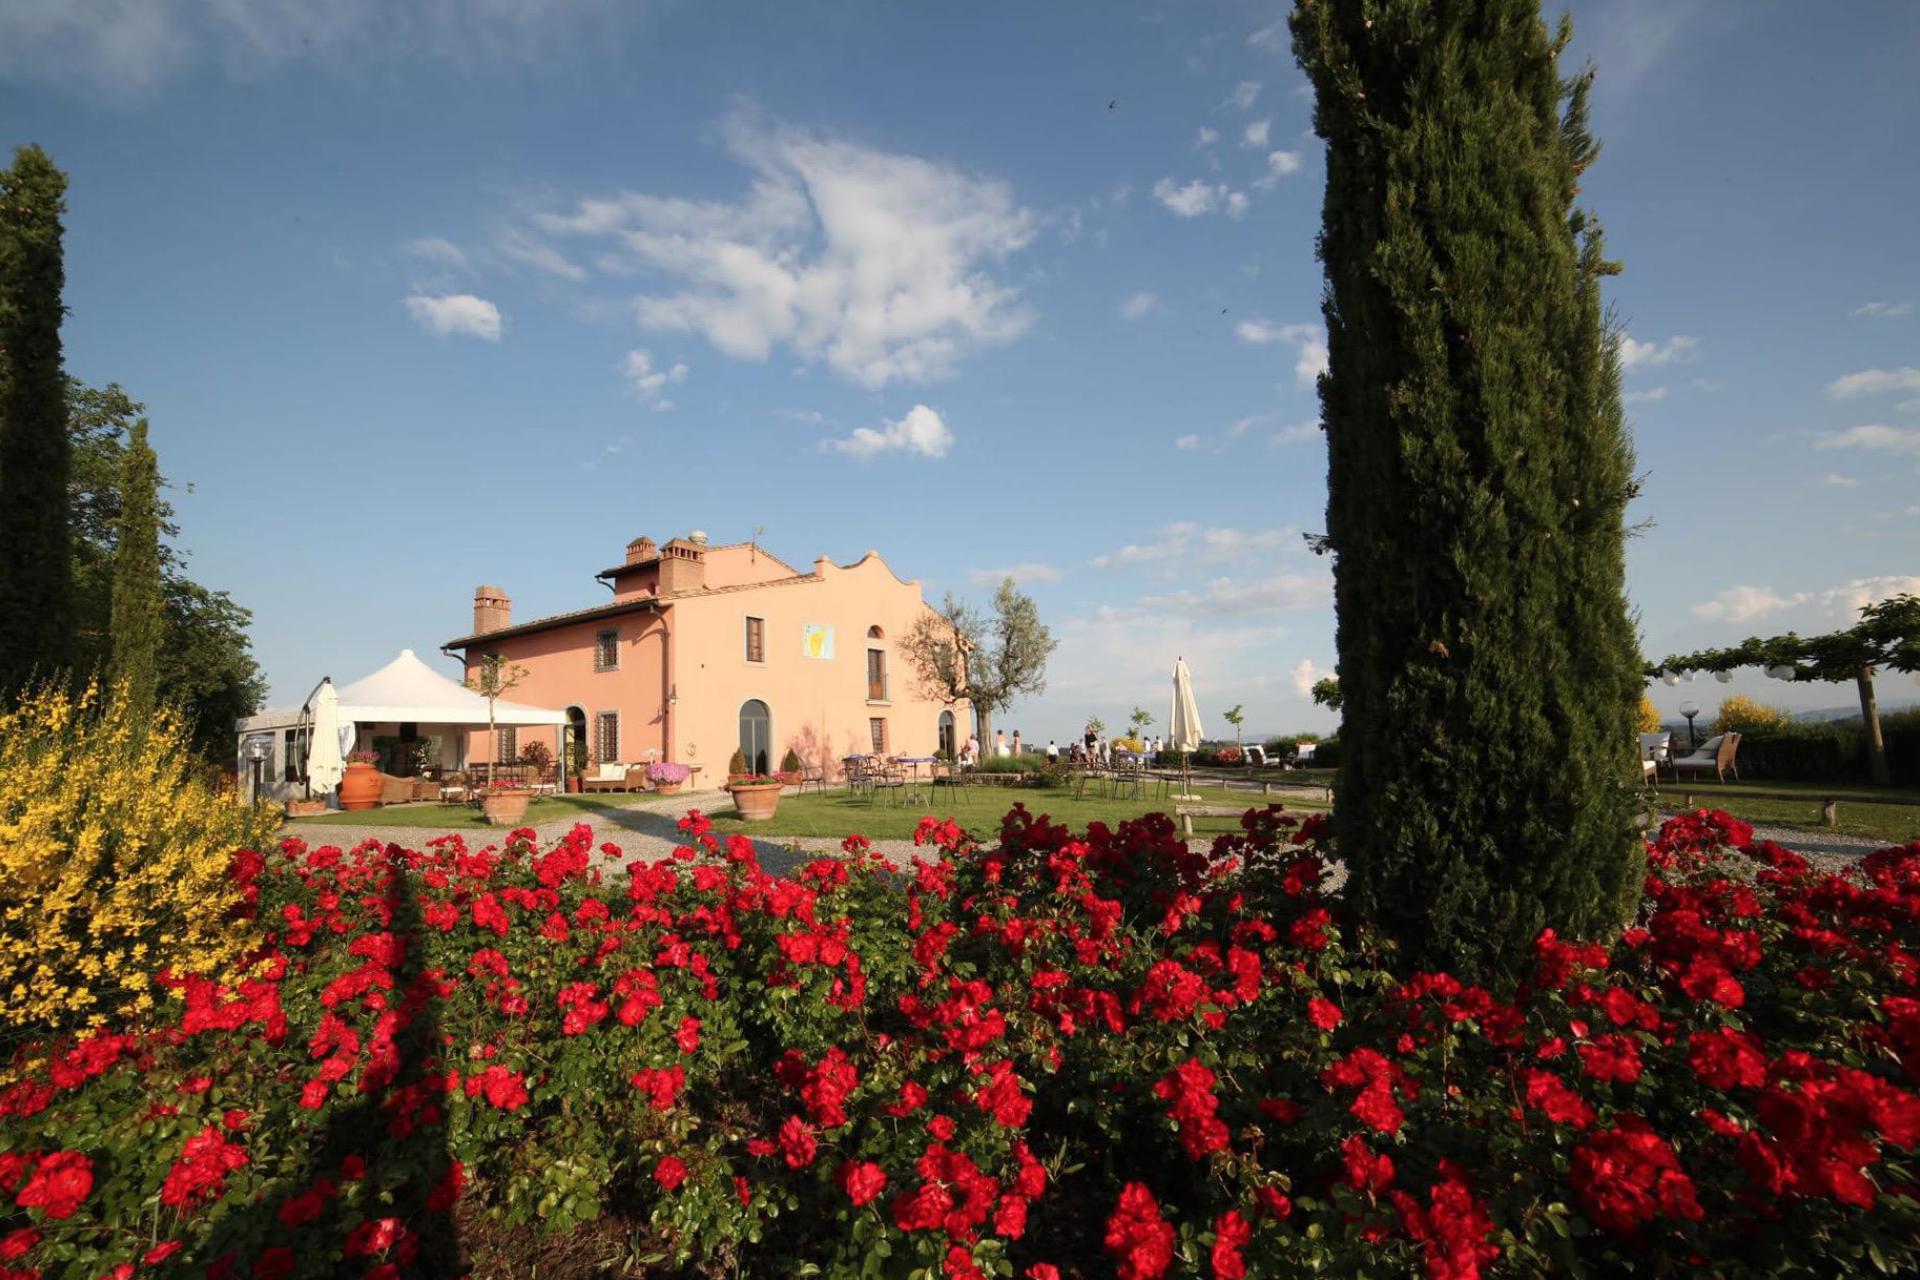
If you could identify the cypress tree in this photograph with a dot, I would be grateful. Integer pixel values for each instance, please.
(137, 616)
(35, 566)
(1478, 476)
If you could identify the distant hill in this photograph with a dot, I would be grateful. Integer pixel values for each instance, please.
(1825, 715)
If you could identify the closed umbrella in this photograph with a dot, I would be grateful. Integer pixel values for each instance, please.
(325, 763)
(1183, 733)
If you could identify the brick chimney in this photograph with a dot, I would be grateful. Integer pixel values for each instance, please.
(492, 610)
(683, 567)
(641, 550)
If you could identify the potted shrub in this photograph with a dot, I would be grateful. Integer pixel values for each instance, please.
(667, 777)
(755, 795)
(790, 768)
(505, 802)
(538, 757)
(737, 766)
(579, 759)
(360, 786)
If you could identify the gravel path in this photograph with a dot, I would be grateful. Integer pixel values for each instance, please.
(646, 828)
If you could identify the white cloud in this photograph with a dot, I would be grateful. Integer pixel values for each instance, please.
(1884, 310)
(1273, 593)
(1187, 442)
(1139, 305)
(1875, 436)
(1244, 93)
(1305, 676)
(1650, 395)
(1873, 382)
(1741, 603)
(1279, 165)
(1187, 541)
(127, 48)
(1309, 341)
(1193, 200)
(438, 249)
(455, 313)
(1851, 597)
(1678, 349)
(1025, 573)
(1274, 37)
(879, 264)
(1255, 134)
(1206, 137)
(649, 384)
(1295, 433)
(922, 431)
(1236, 205)
(518, 246)
(1834, 481)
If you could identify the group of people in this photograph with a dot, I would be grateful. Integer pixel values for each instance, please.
(1092, 749)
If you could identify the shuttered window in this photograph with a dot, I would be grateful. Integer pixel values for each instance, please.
(876, 675)
(606, 737)
(509, 745)
(606, 651)
(756, 640)
(878, 728)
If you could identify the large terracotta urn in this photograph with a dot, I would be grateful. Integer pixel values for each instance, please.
(756, 801)
(506, 806)
(360, 787)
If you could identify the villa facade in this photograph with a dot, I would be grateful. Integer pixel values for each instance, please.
(706, 649)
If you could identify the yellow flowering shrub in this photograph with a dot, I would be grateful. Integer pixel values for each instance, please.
(1741, 714)
(113, 858)
(1649, 715)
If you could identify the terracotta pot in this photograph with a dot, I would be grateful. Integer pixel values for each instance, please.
(788, 777)
(505, 808)
(360, 788)
(306, 808)
(667, 788)
(573, 786)
(756, 800)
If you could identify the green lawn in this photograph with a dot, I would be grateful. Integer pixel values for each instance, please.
(1864, 811)
(979, 808)
(458, 817)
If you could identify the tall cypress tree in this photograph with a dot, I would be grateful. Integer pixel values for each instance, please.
(137, 617)
(35, 565)
(1478, 476)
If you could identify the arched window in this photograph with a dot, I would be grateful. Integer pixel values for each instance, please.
(946, 734)
(756, 735)
(875, 633)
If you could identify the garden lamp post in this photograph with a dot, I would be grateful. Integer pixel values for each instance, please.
(1690, 709)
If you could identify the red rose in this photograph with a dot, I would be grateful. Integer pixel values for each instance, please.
(161, 1252)
(1230, 1235)
(1628, 1175)
(1727, 1059)
(670, 1172)
(274, 1263)
(59, 1184)
(1324, 1014)
(688, 1036)
(1613, 1058)
(1138, 1238)
(1367, 1173)
(862, 1181)
(16, 1243)
(797, 1145)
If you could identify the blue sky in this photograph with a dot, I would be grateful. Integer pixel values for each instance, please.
(424, 294)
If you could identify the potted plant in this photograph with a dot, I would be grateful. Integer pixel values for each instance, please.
(737, 766)
(755, 795)
(790, 768)
(538, 757)
(360, 786)
(667, 777)
(306, 808)
(578, 761)
(504, 802)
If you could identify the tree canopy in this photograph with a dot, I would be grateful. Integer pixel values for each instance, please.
(959, 654)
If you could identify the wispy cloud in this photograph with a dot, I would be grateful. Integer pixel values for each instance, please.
(1268, 594)
(518, 246)
(1834, 480)
(1649, 396)
(1244, 93)
(1308, 340)
(1679, 349)
(648, 383)
(1205, 137)
(882, 265)
(1188, 541)
(455, 313)
(1188, 442)
(1884, 310)
(1139, 305)
(1280, 164)
(1744, 603)
(1272, 38)
(1305, 675)
(440, 250)
(1874, 382)
(1255, 134)
(1196, 199)
(1874, 436)
(1026, 573)
(922, 431)
(1296, 433)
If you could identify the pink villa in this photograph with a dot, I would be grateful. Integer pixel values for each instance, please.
(705, 649)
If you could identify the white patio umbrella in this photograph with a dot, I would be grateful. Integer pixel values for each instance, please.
(1183, 725)
(325, 765)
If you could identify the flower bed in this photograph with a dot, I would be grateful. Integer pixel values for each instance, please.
(1055, 1056)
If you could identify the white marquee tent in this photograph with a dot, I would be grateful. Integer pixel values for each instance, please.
(404, 692)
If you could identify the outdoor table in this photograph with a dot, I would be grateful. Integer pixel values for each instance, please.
(914, 791)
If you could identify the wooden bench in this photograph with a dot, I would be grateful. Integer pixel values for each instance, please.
(1188, 812)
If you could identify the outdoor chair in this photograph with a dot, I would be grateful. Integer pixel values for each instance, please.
(1656, 750)
(1716, 754)
(811, 775)
(858, 779)
(889, 776)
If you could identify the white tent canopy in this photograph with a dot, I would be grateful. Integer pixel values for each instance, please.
(410, 691)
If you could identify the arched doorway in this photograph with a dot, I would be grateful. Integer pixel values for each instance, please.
(756, 735)
(576, 735)
(946, 734)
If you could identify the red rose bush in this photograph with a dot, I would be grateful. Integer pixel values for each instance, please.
(1057, 1054)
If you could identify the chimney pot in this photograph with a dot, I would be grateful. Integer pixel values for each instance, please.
(641, 550)
(492, 610)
